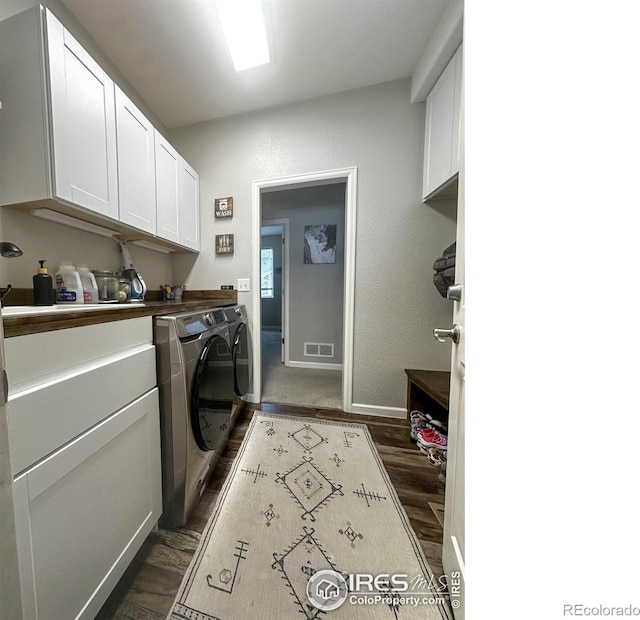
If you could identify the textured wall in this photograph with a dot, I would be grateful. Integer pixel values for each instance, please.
(316, 295)
(397, 239)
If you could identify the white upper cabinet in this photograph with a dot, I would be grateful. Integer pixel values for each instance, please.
(167, 189)
(73, 142)
(189, 207)
(83, 132)
(442, 129)
(136, 166)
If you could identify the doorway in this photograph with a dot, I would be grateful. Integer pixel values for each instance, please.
(338, 352)
(274, 269)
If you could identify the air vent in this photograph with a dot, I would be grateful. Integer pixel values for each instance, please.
(318, 349)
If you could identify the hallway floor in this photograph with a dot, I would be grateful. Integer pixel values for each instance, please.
(148, 587)
(296, 386)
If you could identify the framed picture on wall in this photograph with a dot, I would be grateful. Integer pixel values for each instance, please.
(320, 244)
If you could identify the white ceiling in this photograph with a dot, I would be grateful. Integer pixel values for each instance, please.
(174, 55)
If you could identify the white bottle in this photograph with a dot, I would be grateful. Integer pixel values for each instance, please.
(89, 284)
(68, 284)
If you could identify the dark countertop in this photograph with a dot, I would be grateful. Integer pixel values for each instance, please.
(22, 325)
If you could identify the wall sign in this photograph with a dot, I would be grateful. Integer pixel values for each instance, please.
(223, 207)
(224, 244)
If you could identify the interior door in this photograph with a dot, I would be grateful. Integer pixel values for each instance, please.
(453, 547)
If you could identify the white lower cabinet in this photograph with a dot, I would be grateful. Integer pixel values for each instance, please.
(84, 424)
(83, 513)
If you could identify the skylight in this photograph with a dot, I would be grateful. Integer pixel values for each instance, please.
(243, 25)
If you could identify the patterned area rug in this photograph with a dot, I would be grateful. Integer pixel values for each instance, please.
(308, 523)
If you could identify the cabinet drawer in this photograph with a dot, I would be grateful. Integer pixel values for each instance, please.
(84, 512)
(44, 418)
(39, 358)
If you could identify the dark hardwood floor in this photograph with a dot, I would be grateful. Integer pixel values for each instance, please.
(148, 587)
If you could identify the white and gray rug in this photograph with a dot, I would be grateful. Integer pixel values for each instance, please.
(305, 496)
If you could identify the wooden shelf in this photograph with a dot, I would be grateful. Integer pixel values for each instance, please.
(428, 391)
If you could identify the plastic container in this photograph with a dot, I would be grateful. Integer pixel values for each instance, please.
(68, 284)
(89, 284)
(42, 287)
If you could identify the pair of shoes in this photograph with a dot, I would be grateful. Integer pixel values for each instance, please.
(418, 421)
(431, 438)
(435, 456)
(421, 420)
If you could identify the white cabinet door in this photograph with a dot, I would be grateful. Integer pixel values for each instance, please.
(136, 166)
(189, 207)
(167, 189)
(84, 512)
(83, 131)
(442, 128)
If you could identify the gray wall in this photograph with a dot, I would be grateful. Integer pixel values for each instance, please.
(316, 295)
(397, 238)
(272, 308)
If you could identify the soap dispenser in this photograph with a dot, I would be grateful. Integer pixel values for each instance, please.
(42, 287)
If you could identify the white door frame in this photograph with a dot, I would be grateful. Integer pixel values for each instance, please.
(284, 297)
(350, 177)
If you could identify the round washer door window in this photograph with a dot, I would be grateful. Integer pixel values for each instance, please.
(212, 394)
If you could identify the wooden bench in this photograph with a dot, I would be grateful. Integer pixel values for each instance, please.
(428, 392)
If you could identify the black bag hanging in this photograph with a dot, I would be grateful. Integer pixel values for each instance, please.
(445, 270)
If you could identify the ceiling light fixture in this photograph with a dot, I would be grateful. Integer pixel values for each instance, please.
(244, 29)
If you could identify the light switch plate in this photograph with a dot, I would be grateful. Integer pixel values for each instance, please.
(243, 284)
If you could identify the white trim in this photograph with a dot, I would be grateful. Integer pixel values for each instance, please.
(316, 365)
(350, 176)
(284, 222)
(388, 412)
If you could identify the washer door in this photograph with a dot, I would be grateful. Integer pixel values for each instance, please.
(212, 394)
(241, 354)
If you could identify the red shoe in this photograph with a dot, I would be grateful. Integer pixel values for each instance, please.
(431, 438)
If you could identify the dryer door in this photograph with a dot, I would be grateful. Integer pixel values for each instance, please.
(241, 354)
(212, 394)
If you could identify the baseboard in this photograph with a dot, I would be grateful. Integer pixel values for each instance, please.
(387, 412)
(315, 365)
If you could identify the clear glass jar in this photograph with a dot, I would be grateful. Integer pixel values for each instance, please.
(108, 284)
